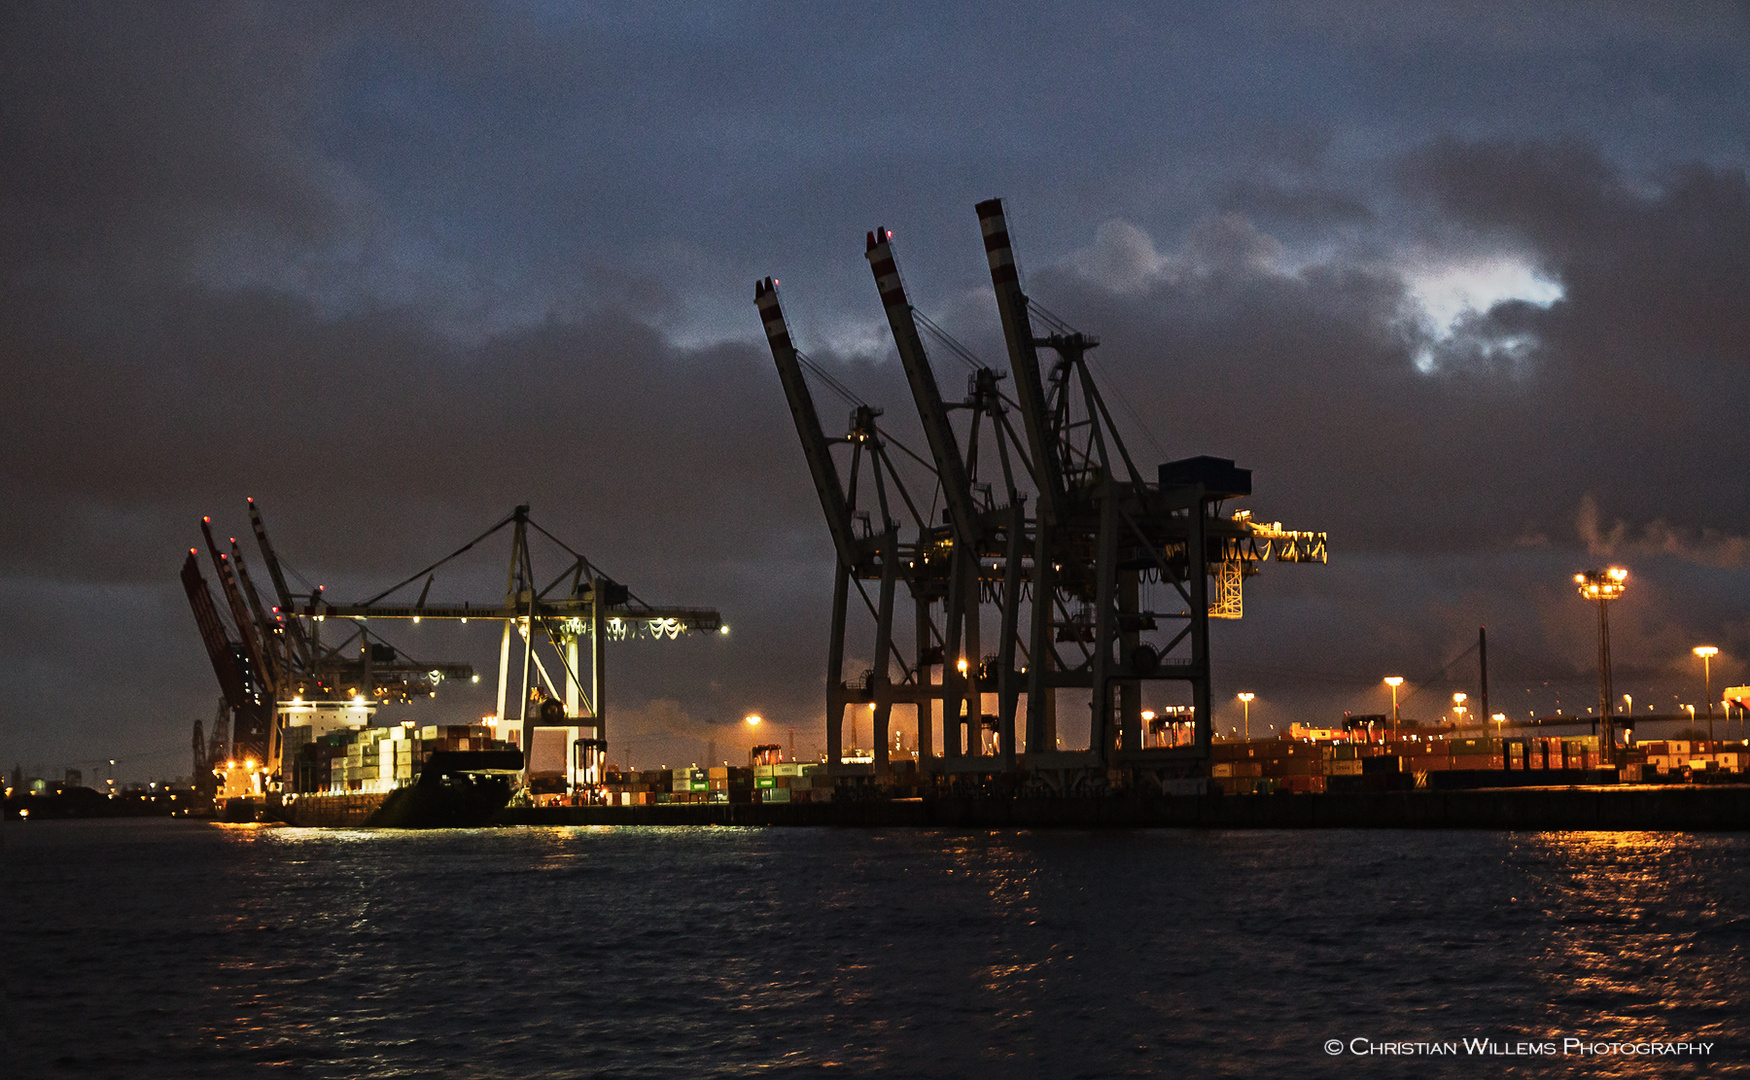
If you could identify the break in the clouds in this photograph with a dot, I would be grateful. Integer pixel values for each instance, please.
(1466, 287)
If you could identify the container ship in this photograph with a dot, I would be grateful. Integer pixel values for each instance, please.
(454, 776)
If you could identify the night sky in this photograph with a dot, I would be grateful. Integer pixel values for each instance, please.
(1468, 288)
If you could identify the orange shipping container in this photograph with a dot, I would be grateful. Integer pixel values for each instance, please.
(1476, 761)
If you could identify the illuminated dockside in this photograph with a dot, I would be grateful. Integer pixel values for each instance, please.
(306, 684)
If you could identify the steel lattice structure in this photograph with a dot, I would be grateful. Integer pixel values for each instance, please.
(274, 668)
(1061, 539)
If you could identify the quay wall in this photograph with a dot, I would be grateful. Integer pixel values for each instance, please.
(1700, 808)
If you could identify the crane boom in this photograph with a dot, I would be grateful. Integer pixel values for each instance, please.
(815, 447)
(206, 618)
(704, 620)
(239, 610)
(950, 463)
(276, 574)
(264, 623)
(1023, 357)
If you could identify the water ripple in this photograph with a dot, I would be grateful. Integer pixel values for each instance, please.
(157, 949)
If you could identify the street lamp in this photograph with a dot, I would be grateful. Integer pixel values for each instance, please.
(1246, 703)
(1458, 700)
(1604, 586)
(1394, 681)
(1707, 654)
(754, 719)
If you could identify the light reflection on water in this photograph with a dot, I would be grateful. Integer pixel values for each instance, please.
(1646, 923)
(174, 949)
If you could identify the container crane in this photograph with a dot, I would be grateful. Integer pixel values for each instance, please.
(1086, 565)
(579, 601)
(1094, 501)
(240, 691)
(279, 674)
(871, 554)
(962, 687)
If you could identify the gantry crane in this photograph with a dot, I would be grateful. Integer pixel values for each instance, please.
(1074, 583)
(865, 552)
(988, 535)
(290, 677)
(246, 701)
(263, 659)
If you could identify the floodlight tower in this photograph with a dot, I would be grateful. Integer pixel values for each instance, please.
(1707, 654)
(1394, 681)
(1604, 586)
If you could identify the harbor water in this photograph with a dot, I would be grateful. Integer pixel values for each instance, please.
(151, 948)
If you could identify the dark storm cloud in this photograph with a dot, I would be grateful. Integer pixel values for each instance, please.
(394, 269)
(1310, 372)
(255, 394)
(1465, 491)
(1266, 201)
(135, 138)
(374, 447)
(1659, 274)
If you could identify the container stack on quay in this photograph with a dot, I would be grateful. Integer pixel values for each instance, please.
(785, 782)
(791, 781)
(373, 759)
(1269, 766)
(1675, 759)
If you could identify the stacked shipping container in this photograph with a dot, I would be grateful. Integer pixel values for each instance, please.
(375, 759)
(1272, 765)
(784, 782)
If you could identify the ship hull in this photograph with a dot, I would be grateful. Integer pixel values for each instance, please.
(455, 790)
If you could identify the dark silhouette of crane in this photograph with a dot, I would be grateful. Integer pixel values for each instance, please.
(1095, 576)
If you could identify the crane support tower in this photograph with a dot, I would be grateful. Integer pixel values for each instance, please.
(1096, 578)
